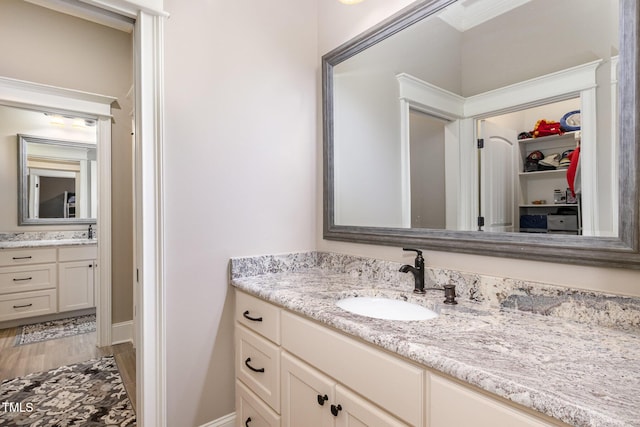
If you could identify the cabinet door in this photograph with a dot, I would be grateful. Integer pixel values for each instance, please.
(354, 411)
(75, 285)
(307, 395)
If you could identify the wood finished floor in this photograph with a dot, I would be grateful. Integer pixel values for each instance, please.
(16, 361)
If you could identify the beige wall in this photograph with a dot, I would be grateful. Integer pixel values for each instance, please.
(43, 46)
(239, 174)
(336, 25)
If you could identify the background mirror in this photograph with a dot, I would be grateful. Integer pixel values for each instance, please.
(408, 113)
(59, 179)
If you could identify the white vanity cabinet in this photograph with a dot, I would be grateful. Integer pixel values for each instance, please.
(284, 363)
(76, 271)
(27, 283)
(294, 372)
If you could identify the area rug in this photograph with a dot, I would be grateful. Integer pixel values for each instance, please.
(85, 394)
(53, 329)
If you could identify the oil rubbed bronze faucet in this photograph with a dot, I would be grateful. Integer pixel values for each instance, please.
(418, 273)
(417, 270)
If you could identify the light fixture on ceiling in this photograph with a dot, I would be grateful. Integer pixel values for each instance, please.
(350, 1)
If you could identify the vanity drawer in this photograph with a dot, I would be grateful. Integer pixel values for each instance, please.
(27, 278)
(9, 257)
(259, 316)
(372, 373)
(77, 253)
(258, 365)
(27, 304)
(253, 412)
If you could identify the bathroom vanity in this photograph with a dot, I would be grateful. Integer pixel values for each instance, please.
(301, 360)
(42, 277)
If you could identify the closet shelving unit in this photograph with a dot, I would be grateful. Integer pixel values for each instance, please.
(565, 218)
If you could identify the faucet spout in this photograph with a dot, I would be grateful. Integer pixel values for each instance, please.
(417, 271)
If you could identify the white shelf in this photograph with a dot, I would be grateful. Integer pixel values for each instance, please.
(543, 173)
(551, 205)
(548, 138)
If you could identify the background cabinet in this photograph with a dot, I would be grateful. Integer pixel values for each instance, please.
(28, 283)
(540, 186)
(76, 277)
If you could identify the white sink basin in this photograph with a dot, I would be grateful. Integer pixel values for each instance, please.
(385, 308)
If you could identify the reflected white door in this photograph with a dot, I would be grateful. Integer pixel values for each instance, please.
(497, 176)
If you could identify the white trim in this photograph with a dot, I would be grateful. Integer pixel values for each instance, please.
(589, 162)
(555, 86)
(130, 8)
(226, 421)
(88, 12)
(615, 184)
(103, 274)
(405, 162)
(431, 99)
(150, 330)
(20, 92)
(122, 332)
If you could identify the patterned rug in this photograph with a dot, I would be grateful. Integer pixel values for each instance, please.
(56, 329)
(85, 394)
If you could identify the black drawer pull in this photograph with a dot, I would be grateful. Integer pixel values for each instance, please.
(23, 279)
(246, 423)
(322, 399)
(246, 362)
(253, 319)
(21, 257)
(335, 409)
(23, 306)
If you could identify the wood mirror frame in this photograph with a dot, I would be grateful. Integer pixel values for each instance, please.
(622, 251)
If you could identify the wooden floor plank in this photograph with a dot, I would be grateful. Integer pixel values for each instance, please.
(17, 361)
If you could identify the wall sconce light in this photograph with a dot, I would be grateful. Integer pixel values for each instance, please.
(350, 1)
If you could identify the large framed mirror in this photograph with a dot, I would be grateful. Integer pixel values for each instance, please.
(58, 182)
(467, 126)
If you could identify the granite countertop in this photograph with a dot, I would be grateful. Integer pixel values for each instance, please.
(583, 374)
(19, 244)
(37, 239)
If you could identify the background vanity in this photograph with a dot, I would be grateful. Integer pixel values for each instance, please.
(44, 277)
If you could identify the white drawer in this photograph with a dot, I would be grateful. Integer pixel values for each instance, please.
(9, 257)
(258, 315)
(388, 381)
(451, 404)
(27, 304)
(27, 278)
(258, 365)
(251, 411)
(77, 253)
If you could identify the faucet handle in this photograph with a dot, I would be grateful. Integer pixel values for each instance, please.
(417, 251)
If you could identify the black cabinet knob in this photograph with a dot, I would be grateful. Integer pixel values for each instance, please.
(336, 409)
(322, 399)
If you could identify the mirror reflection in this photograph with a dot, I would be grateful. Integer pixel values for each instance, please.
(478, 118)
(59, 179)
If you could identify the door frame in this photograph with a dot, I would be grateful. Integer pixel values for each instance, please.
(147, 17)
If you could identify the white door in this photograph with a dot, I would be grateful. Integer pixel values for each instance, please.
(497, 176)
(307, 395)
(354, 411)
(75, 285)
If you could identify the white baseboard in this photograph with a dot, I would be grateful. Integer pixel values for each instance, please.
(226, 421)
(122, 332)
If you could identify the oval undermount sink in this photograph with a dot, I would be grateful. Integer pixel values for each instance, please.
(386, 308)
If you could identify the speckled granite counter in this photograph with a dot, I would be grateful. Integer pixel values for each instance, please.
(34, 239)
(576, 363)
